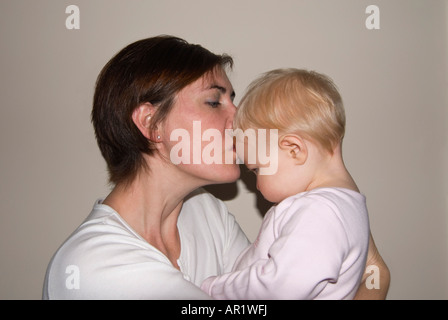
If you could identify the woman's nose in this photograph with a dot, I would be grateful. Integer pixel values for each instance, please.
(231, 116)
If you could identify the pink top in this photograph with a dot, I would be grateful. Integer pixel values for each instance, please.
(311, 246)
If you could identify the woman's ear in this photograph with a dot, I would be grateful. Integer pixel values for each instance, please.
(295, 146)
(142, 119)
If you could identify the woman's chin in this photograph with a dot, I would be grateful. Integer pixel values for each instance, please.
(224, 173)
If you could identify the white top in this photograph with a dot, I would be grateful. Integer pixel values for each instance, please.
(311, 246)
(106, 259)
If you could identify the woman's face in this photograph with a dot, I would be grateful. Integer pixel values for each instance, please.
(196, 135)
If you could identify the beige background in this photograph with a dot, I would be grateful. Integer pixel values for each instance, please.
(393, 81)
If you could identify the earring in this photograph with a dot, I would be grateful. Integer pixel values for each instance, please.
(158, 137)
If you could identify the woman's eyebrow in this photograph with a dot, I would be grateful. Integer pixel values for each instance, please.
(222, 90)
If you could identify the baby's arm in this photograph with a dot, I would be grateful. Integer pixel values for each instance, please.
(304, 257)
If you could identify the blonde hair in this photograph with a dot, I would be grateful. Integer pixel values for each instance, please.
(294, 101)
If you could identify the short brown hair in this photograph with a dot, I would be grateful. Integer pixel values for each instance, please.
(151, 70)
(295, 101)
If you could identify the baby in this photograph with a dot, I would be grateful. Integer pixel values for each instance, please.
(313, 243)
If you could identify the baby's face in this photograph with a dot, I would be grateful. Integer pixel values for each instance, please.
(259, 150)
(282, 165)
(258, 147)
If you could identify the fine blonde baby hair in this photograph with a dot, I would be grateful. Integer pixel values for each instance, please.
(294, 101)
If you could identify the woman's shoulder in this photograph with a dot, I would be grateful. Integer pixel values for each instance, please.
(102, 239)
(102, 252)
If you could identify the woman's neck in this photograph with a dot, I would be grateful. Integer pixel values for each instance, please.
(151, 205)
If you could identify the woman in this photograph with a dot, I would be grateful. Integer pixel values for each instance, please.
(156, 235)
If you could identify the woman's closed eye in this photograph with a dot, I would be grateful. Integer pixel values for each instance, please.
(213, 104)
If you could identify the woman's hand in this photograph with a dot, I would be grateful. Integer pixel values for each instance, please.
(375, 263)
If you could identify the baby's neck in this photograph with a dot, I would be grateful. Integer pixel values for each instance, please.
(333, 174)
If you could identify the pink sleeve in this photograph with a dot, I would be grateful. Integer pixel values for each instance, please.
(306, 255)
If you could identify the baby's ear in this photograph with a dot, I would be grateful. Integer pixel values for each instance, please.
(141, 117)
(295, 146)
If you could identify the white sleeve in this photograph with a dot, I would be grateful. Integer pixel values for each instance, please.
(306, 255)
